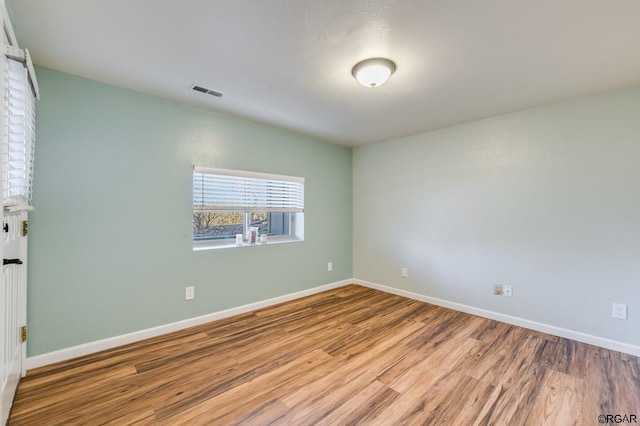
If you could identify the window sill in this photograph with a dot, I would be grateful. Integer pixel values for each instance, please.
(205, 246)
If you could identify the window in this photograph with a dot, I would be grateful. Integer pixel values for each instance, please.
(227, 203)
(19, 134)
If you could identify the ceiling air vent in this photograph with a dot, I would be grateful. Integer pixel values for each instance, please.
(205, 90)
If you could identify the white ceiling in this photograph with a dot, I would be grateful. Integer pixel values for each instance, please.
(288, 62)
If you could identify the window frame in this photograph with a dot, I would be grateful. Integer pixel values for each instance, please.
(296, 215)
(18, 145)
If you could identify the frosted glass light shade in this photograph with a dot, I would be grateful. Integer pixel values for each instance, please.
(373, 72)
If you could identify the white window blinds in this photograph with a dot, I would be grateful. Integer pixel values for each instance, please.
(233, 190)
(19, 136)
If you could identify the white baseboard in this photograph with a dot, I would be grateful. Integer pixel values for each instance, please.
(521, 322)
(112, 342)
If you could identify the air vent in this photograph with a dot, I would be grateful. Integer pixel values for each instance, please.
(205, 90)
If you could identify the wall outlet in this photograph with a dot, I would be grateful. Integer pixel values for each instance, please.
(497, 289)
(507, 291)
(189, 293)
(618, 310)
(404, 272)
(330, 266)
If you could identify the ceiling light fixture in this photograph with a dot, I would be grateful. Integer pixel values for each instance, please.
(373, 72)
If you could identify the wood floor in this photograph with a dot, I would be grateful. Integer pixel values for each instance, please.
(347, 356)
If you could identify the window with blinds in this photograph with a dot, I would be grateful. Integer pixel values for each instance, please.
(19, 136)
(254, 207)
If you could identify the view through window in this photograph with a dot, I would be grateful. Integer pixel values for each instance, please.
(230, 202)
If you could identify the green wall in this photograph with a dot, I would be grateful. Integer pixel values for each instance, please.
(110, 247)
(546, 200)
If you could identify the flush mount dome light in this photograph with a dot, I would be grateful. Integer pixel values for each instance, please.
(373, 72)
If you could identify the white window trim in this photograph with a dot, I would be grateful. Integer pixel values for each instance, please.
(297, 217)
(296, 236)
(20, 94)
(227, 244)
(244, 173)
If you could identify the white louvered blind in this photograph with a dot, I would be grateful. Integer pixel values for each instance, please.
(233, 190)
(19, 140)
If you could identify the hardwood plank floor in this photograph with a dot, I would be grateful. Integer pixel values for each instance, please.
(347, 356)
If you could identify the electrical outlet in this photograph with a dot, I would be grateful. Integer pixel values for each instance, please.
(619, 311)
(497, 289)
(189, 293)
(507, 291)
(404, 272)
(330, 266)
